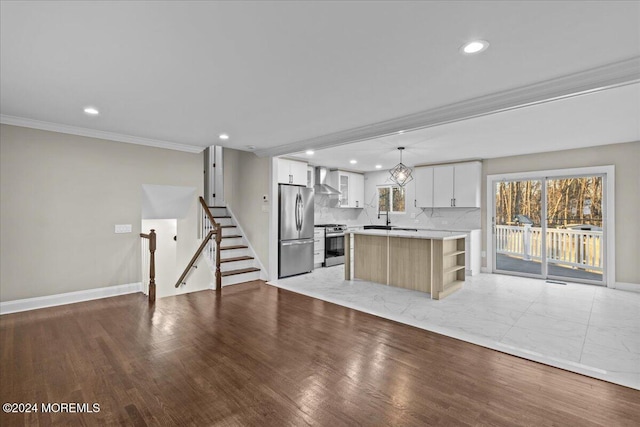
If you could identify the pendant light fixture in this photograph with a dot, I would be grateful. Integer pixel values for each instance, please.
(401, 174)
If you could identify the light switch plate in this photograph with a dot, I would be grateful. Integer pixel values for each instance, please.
(123, 228)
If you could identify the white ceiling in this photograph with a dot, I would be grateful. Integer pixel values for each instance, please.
(278, 74)
(585, 121)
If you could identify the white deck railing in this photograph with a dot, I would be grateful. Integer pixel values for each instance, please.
(575, 248)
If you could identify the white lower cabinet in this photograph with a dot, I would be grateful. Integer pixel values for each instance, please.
(473, 252)
(318, 246)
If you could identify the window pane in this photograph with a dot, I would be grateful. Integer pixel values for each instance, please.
(383, 199)
(398, 199)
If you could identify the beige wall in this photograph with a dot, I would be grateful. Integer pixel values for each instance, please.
(61, 196)
(247, 178)
(626, 159)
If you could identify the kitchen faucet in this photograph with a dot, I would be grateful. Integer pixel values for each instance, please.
(388, 222)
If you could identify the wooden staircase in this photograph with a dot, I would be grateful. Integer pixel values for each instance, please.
(237, 262)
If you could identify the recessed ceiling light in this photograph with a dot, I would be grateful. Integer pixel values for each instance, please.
(251, 147)
(353, 162)
(309, 152)
(92, 111)
(223, 136)
(475, 46)
(378, 166)
(400, 131)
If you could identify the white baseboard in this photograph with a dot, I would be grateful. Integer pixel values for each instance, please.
(622, 286)
(27, 304)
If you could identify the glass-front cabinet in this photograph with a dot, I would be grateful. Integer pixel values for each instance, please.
(344, 189)
(351, 187)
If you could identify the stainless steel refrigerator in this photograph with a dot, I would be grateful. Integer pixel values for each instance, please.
(295, 230)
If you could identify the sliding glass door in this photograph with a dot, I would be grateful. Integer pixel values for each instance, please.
(550, 227)
(574, 223)
(517, 227)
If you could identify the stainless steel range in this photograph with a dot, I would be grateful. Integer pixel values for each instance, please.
(333, 243)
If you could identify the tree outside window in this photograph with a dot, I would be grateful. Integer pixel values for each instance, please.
(391, 199)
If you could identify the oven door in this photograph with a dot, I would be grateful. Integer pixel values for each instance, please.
(334, 249)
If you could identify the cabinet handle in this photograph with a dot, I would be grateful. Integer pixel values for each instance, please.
(415, 203)
(451, 202)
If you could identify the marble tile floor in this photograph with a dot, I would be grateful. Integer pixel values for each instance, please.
(591, 330)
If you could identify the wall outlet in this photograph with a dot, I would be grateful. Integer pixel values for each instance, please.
(484, 254)
(417, 221)
(445, 222)
(265, 208)
(413, 215)
(123, 228)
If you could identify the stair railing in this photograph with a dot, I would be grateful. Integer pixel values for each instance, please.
(151, 237)
(214, 229)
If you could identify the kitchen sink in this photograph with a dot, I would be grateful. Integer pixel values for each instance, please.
(387, 227)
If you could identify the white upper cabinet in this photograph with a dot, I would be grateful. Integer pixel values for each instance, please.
(311, 178)
(356, 190)
(424, 186)
(351, 187)
(454, 185)
(344, 184)
(443, 186)
(466, 185)
(292, 172)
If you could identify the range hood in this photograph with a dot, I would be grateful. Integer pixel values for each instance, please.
(321, 186)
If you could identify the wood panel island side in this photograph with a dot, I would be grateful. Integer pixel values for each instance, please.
(426, 261)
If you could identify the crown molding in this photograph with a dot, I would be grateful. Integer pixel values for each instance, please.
(609, 76)
(91, 133)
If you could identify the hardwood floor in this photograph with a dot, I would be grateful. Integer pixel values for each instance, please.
(258, 355)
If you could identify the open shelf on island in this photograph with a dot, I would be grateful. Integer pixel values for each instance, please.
(454, 268)
(454, 253)
(451, 275)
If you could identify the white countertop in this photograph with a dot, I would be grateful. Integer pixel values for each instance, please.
(419, 228)
(420, 234)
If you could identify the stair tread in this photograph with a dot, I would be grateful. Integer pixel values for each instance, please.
(232, 236)
(222, 248)
(240, 271)
(236, 258)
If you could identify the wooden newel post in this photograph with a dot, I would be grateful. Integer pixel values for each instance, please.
(152, 267)
(218, 240)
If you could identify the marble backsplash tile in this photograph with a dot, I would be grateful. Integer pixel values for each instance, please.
(326, 212)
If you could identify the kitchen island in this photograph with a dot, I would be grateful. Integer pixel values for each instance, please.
(423, 260)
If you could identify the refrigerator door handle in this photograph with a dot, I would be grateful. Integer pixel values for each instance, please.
(296, 243)
(297, 212)
(301, 212)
